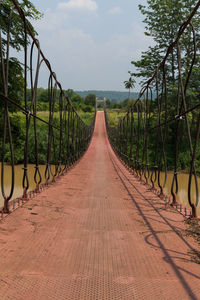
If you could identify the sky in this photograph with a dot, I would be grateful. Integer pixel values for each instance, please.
(90, 43)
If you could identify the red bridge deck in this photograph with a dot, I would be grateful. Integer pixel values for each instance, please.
(96, 234)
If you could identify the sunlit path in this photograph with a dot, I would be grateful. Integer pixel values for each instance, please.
(96, 234)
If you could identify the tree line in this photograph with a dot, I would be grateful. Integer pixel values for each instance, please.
(86, 104)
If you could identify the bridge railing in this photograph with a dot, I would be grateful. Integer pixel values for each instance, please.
(160, 131)
(58, 138)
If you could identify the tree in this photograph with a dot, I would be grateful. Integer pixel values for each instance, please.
(15, 84)
(17, 42)
(86, 108)
(17, 35)
(76, 98)
(43, 95)
(108, 103)
(90, 99)
(163, 20)
(146, 66)
(129, 84)
(69, 93)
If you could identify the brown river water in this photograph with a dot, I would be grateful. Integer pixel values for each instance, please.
(18, 190)
(182, 196)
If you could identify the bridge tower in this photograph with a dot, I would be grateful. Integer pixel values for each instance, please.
(101, 101)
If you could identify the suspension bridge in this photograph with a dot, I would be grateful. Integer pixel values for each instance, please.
(99, 223)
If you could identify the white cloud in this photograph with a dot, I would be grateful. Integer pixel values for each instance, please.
(89, 5)
(115, 10)
(82, 61)
(51, 21)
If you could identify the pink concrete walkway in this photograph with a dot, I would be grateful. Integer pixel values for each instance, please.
(97, 234)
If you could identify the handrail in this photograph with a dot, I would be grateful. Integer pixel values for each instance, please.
(143, 136)
(68, 136)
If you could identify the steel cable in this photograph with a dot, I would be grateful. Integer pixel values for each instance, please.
(68, 136)
(151, 121)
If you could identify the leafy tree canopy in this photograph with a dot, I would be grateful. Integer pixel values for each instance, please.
(90, 99)
(17, 27)
(17, 37)
(129, 84)
(163, 20)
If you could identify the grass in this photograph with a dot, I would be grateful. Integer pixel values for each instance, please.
(115, 115)
(85, 116)
(18, 124)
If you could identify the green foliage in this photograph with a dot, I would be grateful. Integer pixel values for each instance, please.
(17, 26)
(129, 84)
(113, 96)
(18, 136)
(76, 98)
(115, 115)
(43, 95)
(154, 141)
(78, 102)
(18, 129)
(43, 106)
(163, 20)
(146, 66)
(15, 86)
(86, 116)
(86, 108)
(17, 42)
(108, 103)
(69, 93)
(90, 99)
(42, 139)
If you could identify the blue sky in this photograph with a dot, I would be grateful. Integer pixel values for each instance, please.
(90, 43)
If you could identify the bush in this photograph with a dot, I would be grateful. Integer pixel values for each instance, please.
(87, 108)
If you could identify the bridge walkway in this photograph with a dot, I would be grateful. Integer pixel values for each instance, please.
(97, 233)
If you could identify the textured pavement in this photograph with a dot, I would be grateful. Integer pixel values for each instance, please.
(97, 233)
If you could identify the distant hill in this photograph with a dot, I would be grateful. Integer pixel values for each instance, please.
(113, 96)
